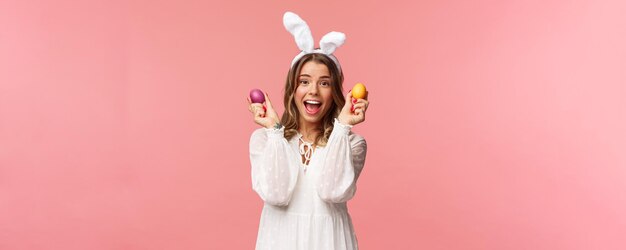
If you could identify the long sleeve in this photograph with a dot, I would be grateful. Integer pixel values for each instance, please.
(342, 165)
(274, 166)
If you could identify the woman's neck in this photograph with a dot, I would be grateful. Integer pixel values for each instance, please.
(309, 131)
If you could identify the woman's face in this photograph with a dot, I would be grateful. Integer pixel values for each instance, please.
(313, 95)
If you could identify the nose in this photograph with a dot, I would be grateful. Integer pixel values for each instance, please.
(313, 89)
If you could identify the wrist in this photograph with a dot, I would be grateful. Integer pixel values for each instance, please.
(275, 125)
(341, 127)
(275, 133)
(343, 121)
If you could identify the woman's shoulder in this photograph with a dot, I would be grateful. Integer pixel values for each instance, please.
(259, 131)
(264, 133)
(356, 138)
(259, 134)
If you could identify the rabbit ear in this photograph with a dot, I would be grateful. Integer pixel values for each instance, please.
(332, 41)
(300, 31)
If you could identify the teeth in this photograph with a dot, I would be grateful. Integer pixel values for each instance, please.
(312, 102)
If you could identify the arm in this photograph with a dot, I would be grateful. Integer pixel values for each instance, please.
(342, 166)
(274, 170)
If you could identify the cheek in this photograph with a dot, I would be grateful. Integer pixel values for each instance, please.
(300, 92)
(327, 97)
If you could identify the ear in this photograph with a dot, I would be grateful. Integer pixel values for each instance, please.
(300, 31)
(331, 41)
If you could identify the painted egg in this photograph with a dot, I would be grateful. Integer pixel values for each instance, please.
(256, 96)
(359, 91)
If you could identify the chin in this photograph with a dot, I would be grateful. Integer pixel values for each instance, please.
(312, 119)
(308, 118)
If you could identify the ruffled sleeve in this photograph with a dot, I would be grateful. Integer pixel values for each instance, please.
(342, 164)
(274, 166)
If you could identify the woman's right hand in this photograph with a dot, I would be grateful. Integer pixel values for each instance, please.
(264, 114)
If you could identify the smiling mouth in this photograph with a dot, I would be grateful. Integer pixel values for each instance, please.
(312, 107)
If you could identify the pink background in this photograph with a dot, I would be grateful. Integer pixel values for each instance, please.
(492, 125)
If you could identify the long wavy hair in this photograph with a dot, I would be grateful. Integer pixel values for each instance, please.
(291, 115)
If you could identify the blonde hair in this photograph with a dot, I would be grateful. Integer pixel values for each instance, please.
(291, 115)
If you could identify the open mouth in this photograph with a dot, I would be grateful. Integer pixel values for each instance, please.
(312, 107)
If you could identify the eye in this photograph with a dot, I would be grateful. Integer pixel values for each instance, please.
(324, 83)
(303, 81)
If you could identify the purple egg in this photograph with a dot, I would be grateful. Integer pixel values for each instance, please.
(256, 96)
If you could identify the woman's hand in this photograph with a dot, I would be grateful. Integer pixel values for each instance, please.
(350, 116)
(264, 114)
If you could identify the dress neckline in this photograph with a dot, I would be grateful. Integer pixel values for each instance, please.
(305, 149)
(299, 137)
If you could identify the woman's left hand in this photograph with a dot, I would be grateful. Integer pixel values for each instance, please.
(354, 116)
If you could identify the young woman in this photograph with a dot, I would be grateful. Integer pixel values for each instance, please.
(305, 166)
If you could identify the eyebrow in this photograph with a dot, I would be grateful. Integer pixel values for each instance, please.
(310, 76)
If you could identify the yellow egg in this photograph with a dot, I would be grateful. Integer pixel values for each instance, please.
(359, 91)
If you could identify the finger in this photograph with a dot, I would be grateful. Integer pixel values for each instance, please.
(360, 106)
(259, 112)
(362, 101)
(358, 112)
(348, 99)
(364, 107)
(255, 106)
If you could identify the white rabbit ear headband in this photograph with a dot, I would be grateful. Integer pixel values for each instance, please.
(302, 34)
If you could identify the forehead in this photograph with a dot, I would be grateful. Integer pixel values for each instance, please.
(313, 68)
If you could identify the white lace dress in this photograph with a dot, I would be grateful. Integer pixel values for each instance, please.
(305, 206)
